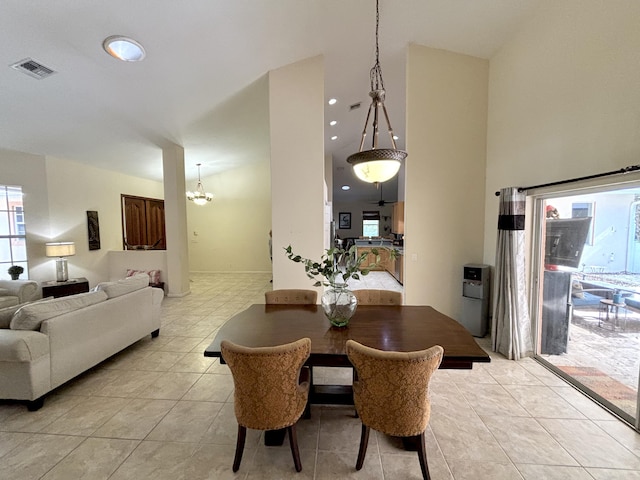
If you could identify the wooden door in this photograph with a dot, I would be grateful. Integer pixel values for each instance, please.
(134, 219)
(155, 224)
(143, 223)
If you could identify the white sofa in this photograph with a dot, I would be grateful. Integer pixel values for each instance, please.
(14, 292)
(50, 342)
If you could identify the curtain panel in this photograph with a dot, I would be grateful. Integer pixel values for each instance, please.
(511, 327)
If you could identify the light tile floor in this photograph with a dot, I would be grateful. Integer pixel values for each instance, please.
(161, 410)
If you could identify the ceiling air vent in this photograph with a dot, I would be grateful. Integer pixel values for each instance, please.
(355, 106)
(33, 69)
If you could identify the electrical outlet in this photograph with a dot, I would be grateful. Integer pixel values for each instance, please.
(414, 257)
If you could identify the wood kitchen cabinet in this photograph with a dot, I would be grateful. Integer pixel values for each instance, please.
(371, 258)
(397, 218)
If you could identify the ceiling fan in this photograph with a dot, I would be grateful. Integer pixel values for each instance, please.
(381, 202)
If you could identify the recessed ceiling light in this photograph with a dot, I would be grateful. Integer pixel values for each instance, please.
(395, 137)
(333, 101)
(333, 122)
(124, 48)
(346, 187)
(335, 137)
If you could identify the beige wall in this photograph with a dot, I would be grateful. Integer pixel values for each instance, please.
(296, 108)
(57, 195)
(564, 99)
(231, 233)
(445, 169)
(29, 172)
(75, 188)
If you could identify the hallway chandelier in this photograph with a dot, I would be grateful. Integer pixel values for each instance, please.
(378, 164)
(199, 197)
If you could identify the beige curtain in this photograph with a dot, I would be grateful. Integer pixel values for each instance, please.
(511, 327)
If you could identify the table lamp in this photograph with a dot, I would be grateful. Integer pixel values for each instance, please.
(61, 250)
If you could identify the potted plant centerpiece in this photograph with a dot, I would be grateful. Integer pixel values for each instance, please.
(336, 267)
(15, 271)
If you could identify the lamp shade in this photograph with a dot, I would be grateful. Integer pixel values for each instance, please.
(60, 249)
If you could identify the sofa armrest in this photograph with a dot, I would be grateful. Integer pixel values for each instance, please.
(22, 345)
(25, 290)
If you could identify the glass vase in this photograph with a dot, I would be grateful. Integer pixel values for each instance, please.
(339, 304)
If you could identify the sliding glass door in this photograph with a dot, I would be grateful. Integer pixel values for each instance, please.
(587, 278)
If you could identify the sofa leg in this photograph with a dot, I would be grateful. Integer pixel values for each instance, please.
(36, 404)
(155, 333)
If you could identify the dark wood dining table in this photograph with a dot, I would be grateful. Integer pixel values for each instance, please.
(391, 328)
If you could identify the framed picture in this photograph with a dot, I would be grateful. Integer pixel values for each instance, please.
(93, 230)
(344, 220)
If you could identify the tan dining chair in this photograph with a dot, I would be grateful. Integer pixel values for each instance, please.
(291, 297)
(391, 394)
(378, 297)
(270, 392)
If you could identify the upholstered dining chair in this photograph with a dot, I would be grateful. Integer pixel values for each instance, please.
(391, 394)
(291, 297)
(378, 297)
(270, 392)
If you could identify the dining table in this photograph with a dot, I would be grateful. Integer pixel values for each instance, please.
(385, 327)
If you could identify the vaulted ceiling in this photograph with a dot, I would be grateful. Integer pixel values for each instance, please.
(197, 85)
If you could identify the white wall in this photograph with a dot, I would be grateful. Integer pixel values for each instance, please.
(356, 209)
(296, 107)
(444, 178)
(231, 233)
(564, 99)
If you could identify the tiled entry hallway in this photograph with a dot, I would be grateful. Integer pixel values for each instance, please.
(160, 410)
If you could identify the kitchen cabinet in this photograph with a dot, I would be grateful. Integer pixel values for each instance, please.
(371, 258)
(397, 218)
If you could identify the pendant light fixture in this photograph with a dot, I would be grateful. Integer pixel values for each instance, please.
(199, 197)
(378, 164)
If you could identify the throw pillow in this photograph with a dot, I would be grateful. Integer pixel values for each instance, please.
(31, 316)
(154, 275)
(124, 286)
(576, 289)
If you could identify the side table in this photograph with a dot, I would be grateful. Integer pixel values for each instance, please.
(607, 306)
(64, 289)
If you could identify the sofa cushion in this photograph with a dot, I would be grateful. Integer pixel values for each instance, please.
(9, 301)
(6, 314)
(124, 286)
(4, 291)
(31, 316)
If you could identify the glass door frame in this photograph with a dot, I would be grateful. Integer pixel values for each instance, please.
(535, 202)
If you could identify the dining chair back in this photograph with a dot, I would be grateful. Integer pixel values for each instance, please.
(378, 297)
(269, 391)
(391, 394)
(291, 297)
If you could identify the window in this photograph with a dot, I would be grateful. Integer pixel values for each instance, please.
(371, 224)
(13, 240)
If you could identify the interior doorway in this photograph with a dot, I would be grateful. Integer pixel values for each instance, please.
(588, 292)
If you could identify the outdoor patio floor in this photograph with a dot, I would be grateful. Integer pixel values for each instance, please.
(604, 355)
